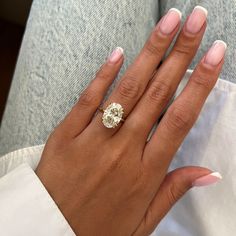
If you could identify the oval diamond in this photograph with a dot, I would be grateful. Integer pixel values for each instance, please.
(112, 116)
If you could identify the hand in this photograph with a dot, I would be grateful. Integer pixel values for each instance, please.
(112, 181)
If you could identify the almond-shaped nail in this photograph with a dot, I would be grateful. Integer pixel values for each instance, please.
(116, 55)
(207, 180)
(196, 20)
(170, 21)
(216, 53)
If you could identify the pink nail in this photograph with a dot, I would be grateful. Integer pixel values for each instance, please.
(216, 53)
(116, 55)
(207, 179)
(170, 21)
(196, 20)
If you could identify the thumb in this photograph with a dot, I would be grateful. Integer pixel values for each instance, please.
(174, 186)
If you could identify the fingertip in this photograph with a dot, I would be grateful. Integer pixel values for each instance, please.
(216, 53)
(116, 55)
(207, 180)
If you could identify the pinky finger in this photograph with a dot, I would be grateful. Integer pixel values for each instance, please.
(90, 99)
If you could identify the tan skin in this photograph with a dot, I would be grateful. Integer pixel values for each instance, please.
(112, 181)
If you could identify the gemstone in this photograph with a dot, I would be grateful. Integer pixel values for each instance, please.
(112, 116)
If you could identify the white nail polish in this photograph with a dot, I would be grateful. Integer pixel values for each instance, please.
(202, 8)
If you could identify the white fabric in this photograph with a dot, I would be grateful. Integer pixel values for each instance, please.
(211, 143)
(27, 209)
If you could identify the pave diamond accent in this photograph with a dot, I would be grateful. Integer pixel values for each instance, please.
(112, 116)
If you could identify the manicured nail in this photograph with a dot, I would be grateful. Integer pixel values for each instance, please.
(196, 20)
(116, 55)
(207, 180)
(170, 21)
(216, 53)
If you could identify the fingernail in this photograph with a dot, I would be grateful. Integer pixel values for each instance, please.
(170, 21)
(116, 55)
(216, 53)
(196, 20)
(207, 180)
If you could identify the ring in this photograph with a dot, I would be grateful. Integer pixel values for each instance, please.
(112, 115)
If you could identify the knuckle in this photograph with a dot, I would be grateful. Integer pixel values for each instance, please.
(171, 195)
(159, 92)
(89, 98)
(179, 118)
(174, 193)
(134, 127)
(102, 74)
(129, 87)
(202, 80)
(186, 45)
(153, 48)
(184, 49)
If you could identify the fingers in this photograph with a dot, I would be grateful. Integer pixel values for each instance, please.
(183, 112)
(135, 80)
(174, 186)
(168, 77)
(81, 114)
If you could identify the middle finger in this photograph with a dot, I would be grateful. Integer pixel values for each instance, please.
(167, 78)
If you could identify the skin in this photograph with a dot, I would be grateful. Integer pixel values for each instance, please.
(112, 181)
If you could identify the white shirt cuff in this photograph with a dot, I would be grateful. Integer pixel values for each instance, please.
(26, 207)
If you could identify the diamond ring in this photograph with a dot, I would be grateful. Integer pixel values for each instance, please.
(112, 115)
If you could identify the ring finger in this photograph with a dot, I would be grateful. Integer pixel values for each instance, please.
(167, 78)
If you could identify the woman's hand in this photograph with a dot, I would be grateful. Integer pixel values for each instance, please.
(112, 181)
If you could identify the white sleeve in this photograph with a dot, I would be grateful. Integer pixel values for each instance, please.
(26, 208)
